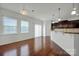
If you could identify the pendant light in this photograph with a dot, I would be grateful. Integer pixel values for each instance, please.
(59, 18)
(23, 11)
(53, 18)
(74, 9)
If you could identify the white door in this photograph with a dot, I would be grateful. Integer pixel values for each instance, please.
(38, 34)
(37, 30)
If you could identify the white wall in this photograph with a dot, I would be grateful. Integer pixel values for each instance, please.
(46, 30)
(5, 39)
(47, 27)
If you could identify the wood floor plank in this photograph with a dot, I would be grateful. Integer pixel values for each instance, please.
(49, 50)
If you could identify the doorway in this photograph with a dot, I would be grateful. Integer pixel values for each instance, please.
(38, 39)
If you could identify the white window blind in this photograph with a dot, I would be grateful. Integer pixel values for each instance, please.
(24, 27)
(10, 25)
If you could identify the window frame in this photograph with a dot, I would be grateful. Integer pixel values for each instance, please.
(4, 32)
(26, 26)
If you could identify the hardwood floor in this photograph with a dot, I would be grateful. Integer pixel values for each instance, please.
(50, 49)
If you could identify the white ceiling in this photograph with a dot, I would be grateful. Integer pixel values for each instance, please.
(43, 11)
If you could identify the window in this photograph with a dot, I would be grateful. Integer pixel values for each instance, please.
(24, 26)
(9, 25)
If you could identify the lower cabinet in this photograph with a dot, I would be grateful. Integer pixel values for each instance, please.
(64, 40)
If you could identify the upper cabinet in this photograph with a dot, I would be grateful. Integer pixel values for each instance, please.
(66, 26)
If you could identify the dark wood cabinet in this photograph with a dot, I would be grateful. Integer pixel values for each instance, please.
(65, 24)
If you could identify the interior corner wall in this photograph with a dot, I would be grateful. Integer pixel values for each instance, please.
(10, 38)
(47, 27)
